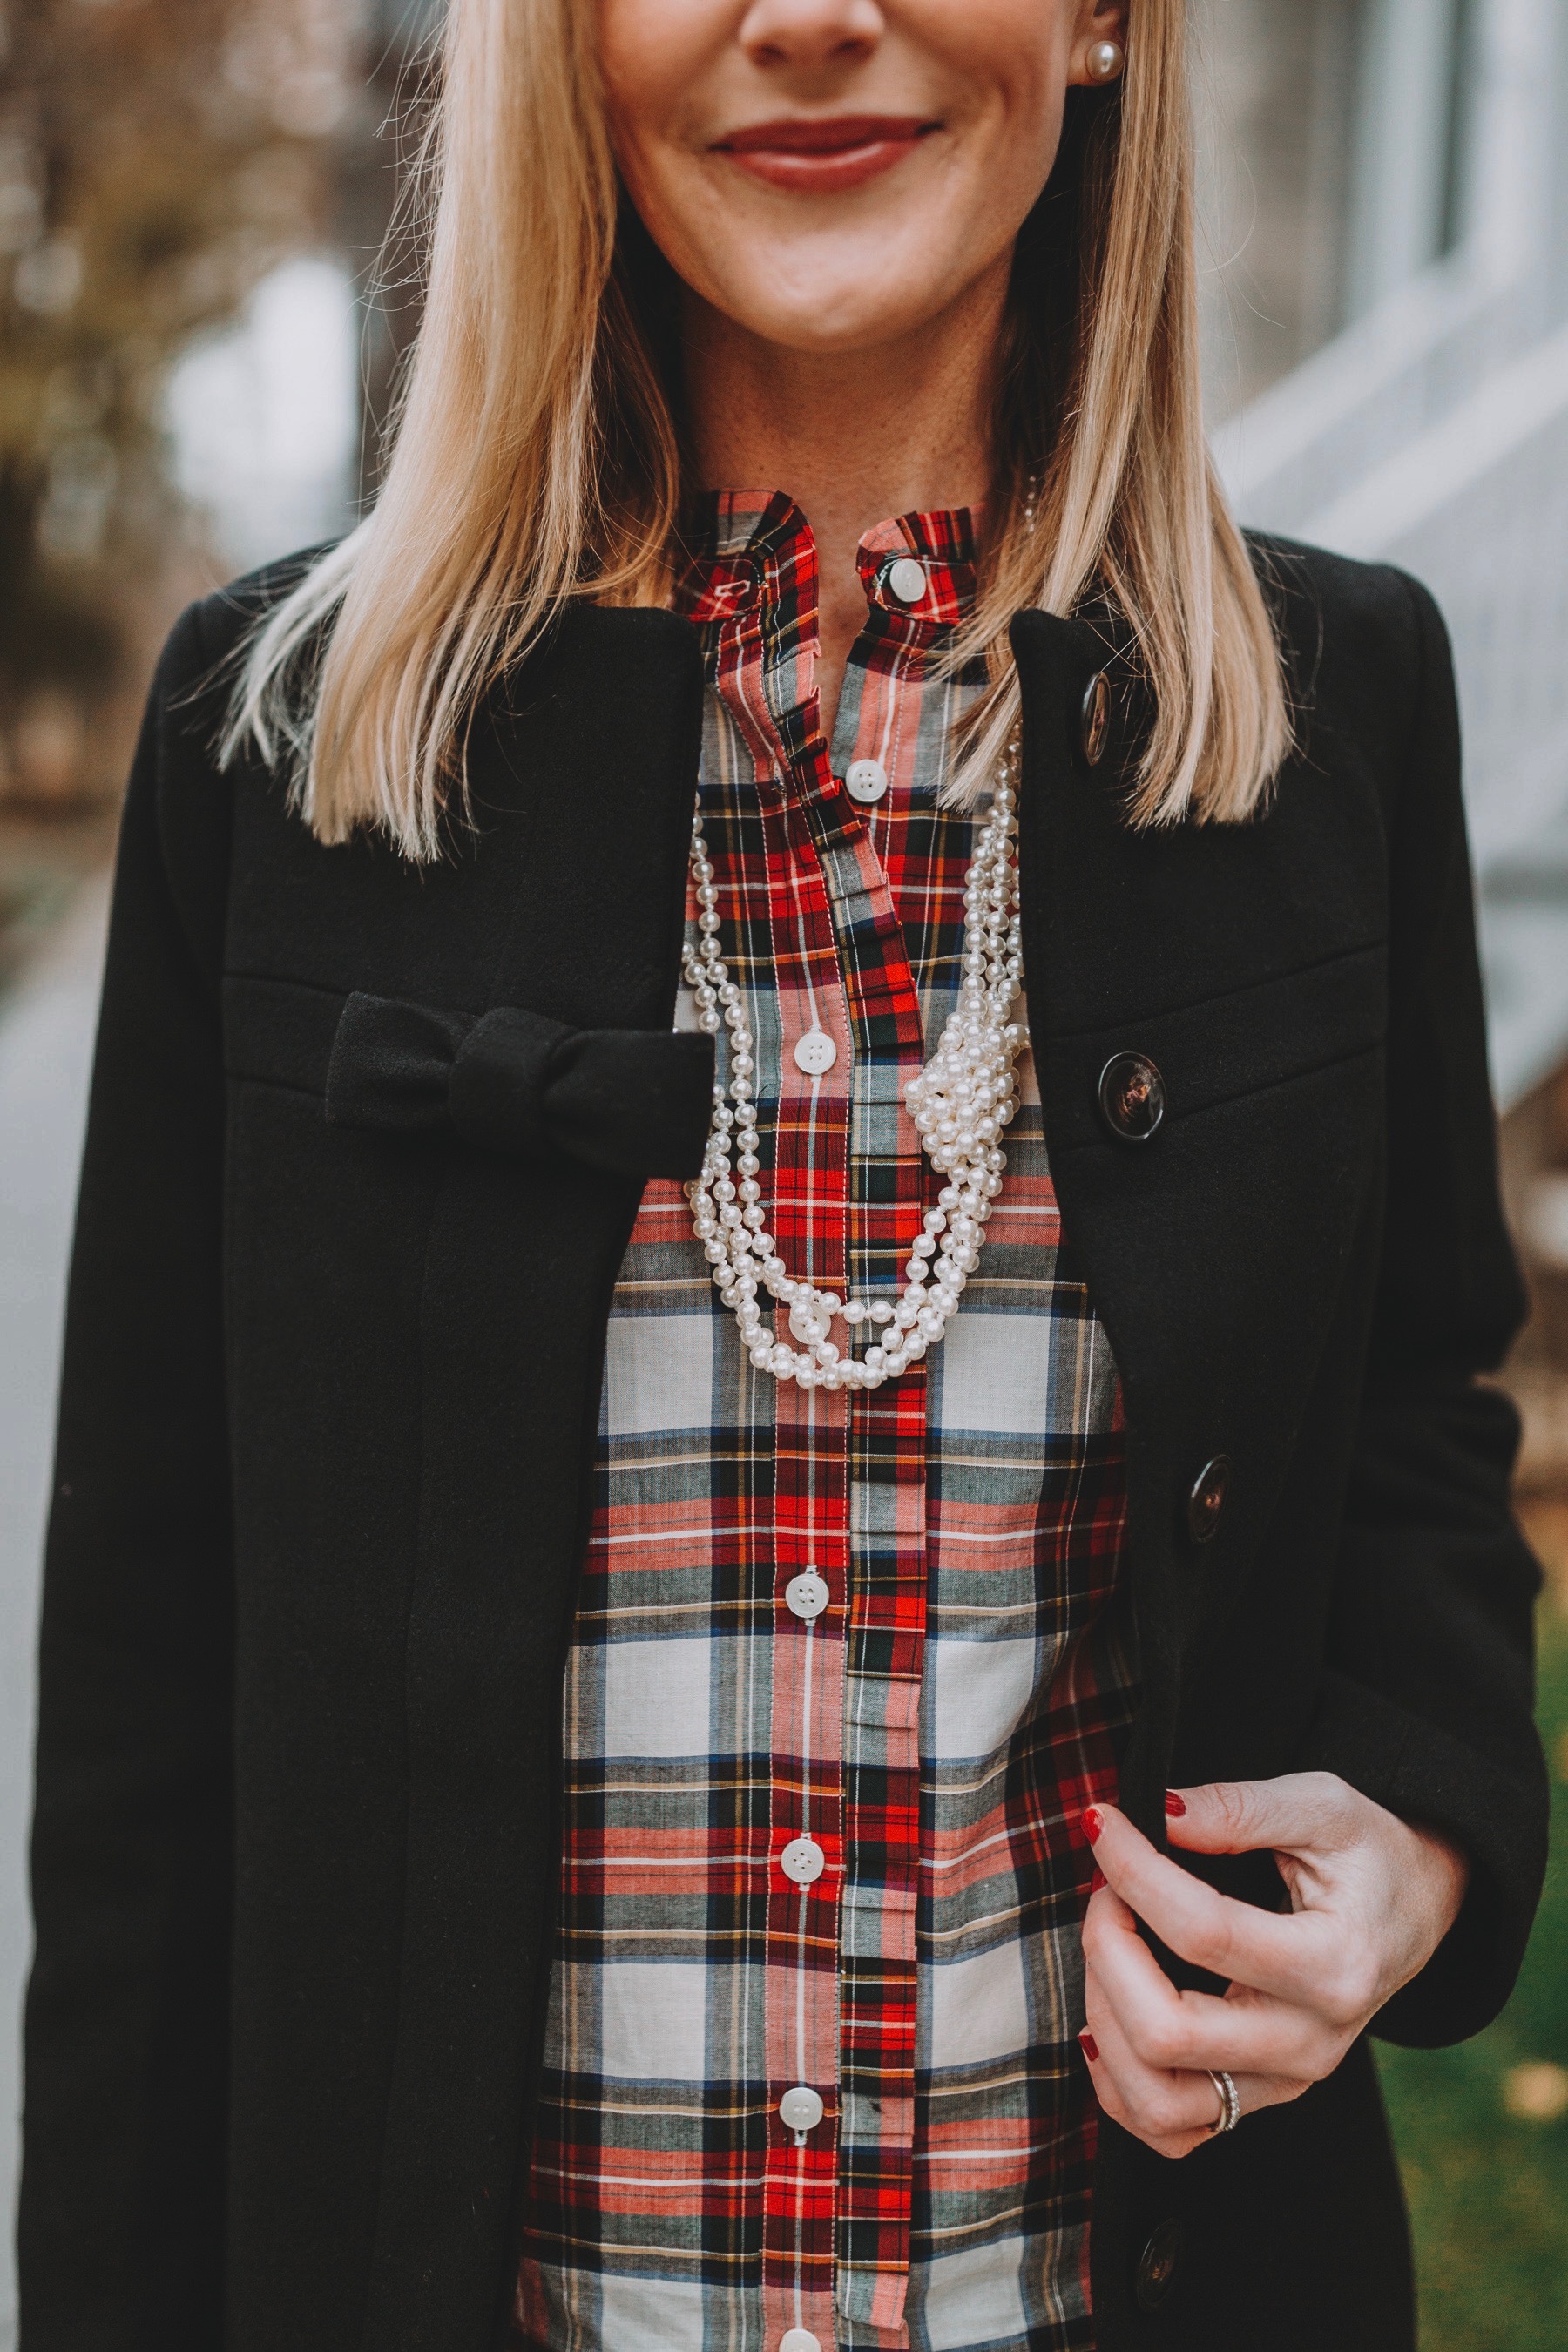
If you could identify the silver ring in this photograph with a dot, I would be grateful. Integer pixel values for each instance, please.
(1229, 2114)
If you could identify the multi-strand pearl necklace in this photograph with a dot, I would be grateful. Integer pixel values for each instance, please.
(960, 1105)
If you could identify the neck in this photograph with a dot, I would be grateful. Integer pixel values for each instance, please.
(852, 437)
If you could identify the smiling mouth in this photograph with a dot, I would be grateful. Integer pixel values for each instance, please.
(819, 158)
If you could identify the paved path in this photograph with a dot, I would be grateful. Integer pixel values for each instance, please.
(46, 1043)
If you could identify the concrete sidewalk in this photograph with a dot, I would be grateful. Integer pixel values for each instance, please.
(45, 1045)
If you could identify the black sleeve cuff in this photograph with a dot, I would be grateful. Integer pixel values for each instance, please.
(1425, 1775)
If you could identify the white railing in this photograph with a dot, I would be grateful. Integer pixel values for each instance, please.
(1434, 434)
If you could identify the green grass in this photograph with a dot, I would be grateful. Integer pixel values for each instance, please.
(1488, 2188)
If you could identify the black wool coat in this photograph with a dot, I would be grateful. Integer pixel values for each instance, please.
(329, 1396)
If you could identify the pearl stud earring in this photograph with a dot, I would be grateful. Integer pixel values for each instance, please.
(1106, 59)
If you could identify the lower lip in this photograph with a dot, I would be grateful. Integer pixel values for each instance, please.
(821, 174)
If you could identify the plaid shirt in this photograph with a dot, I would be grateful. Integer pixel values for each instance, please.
(938, 1729)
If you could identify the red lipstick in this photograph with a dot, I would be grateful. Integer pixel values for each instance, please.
(816, 157)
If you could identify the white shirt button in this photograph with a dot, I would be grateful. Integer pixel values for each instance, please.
(803, 1861)
(865, 780)
(906, 579)
(799, 2339)
(807, 1594)
(814, 1053)
(800, 2110)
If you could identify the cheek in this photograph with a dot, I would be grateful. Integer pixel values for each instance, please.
(660, 60)
(1009, 59)
(994, 35)
(653, 54)
(998, 169)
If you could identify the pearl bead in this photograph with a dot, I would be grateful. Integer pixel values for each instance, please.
(958, 1105)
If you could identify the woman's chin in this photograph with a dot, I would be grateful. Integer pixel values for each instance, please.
(832, 297)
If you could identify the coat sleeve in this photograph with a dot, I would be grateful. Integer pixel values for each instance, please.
(126, 2032)
(1427, 1702)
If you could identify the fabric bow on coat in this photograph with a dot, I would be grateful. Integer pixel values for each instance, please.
(635, 1102)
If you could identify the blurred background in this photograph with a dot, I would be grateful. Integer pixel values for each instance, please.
(193, 362)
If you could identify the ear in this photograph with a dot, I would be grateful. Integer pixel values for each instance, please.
(1099, 23)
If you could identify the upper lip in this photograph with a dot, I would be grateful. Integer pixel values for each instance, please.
(797, 134)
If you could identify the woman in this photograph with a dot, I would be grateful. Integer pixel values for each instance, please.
(597, 1631)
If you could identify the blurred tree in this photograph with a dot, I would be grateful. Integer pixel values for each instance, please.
(157, 157)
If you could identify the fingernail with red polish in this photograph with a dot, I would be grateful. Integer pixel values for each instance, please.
(1090, 2046)
(1097, 1881)
(1175, 1806)
(1092, 1822)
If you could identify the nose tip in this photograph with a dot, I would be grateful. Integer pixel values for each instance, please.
(811, 34)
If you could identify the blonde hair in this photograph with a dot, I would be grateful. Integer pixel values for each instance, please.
(536, 457)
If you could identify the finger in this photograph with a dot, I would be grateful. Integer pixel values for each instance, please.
(1171, 2111)
(1181, 2032)
(1288, 1954)
(1298, 1813)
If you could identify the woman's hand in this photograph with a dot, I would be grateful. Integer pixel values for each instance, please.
(1371, 1899)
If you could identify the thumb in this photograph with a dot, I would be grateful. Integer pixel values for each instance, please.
(1300, 1813)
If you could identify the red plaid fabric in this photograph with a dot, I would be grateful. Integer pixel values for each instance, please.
(937, 1731)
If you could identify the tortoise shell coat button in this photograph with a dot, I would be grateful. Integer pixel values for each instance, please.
(1157, 2266)
(1094, 719)
(1206, 1504)
(1132, 1097)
